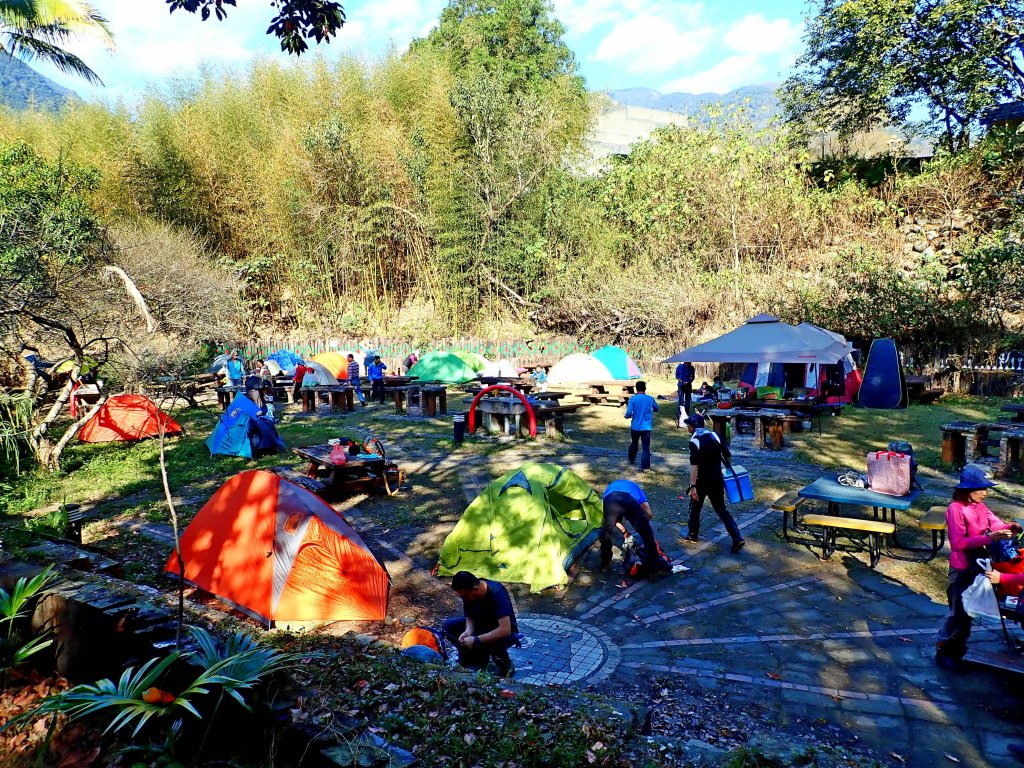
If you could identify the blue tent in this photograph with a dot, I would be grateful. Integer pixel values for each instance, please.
(884, 385)
(286, 359)
(231, 436)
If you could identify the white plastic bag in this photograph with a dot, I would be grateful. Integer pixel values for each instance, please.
(980, 598)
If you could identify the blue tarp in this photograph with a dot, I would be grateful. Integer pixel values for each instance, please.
(884, 386)
(231, 435)
(286, 359)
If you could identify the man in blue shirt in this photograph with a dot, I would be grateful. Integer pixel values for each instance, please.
(685, 374)
(488, 627)
(353, 378)
(641, 410)
(625, 501)
(375, 373)
(236, 370)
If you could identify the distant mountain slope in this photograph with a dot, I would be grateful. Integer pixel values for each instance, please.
(763, 102)
(20, 85)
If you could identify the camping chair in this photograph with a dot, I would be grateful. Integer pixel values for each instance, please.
(392, 473)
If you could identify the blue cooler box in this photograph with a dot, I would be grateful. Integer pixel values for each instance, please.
(737, 488)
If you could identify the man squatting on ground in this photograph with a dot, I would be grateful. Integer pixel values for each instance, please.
(488, 627)
(706, 479)
(624, 500)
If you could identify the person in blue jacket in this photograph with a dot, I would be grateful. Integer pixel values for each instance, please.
(236, 370)
(641, 410)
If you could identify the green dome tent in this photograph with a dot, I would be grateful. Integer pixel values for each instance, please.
(526, 527)
(444, 367)
(477, 362)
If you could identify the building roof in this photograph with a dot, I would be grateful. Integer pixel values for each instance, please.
(1003, 113)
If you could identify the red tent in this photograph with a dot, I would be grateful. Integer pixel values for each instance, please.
(127, 417)
(279, 553)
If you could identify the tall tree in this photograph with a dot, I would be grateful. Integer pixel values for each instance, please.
(519, 41)
(872, 62)
(294, 22)
(38, 29)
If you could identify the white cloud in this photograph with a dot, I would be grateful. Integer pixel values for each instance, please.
(755, 34)
(649, 44)
(721, 78)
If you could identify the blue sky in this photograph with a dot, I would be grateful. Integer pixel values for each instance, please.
(668, 45)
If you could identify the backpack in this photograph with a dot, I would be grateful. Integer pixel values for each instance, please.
(633, 553)
(902, 446)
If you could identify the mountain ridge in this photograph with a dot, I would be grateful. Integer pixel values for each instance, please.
(21, 87)
(762, 99)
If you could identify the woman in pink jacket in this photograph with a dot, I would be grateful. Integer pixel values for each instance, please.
(972, 527)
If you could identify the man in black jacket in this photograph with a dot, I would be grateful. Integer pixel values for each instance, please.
(707, 481)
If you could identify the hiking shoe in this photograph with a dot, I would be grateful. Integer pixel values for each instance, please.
(738, 546)
(688, 539)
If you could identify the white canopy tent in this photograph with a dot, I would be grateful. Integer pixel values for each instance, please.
(766, 339)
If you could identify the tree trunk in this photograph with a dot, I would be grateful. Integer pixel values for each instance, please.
(48, 453)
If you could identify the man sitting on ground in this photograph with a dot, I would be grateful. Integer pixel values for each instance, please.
(488, 627)
(624, 500)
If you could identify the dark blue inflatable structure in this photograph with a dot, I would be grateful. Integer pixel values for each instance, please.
(884, 386)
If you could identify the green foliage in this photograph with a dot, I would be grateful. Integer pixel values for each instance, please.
(15, 647)
(47, 228)
(869, 63)
(518, 42)
(135, 699)
(54, 522)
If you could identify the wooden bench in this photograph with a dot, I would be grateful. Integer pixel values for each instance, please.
(617, 400)
(876, 531)
(788, 504)
(303, 481)
(934, 520)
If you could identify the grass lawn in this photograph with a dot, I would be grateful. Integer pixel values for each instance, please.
(846, 440)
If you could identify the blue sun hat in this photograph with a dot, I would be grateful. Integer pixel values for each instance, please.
(973, 479)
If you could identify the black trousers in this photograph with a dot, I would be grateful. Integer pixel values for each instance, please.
(686, 396)
(956, 629)
(477, 658)
(620, 506)
(641, 437)
(714, 493)
(377, 390)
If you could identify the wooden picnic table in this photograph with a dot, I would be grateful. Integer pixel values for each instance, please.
(609, 392)
(557, 396)
(1017, 409)
(516, 382)
(356, 474)
(399, 381)
(767, 421)
(341, 397)
(226, 394)
(429, 399)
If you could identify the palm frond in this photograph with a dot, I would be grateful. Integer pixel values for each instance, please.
(27, 46)
(30, 648)
(12, 604)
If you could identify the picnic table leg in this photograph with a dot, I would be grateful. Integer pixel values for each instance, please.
(312, 469)
(429, 404)
(443, 396)
(953, 448)
(758, 433)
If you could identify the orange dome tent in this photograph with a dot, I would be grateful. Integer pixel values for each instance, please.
(127, 418)
(335, 362)
(279, 553)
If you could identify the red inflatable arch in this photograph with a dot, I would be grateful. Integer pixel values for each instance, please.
(517, 393)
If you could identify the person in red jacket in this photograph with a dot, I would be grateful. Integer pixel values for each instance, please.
(300, 371)
(972, 527)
